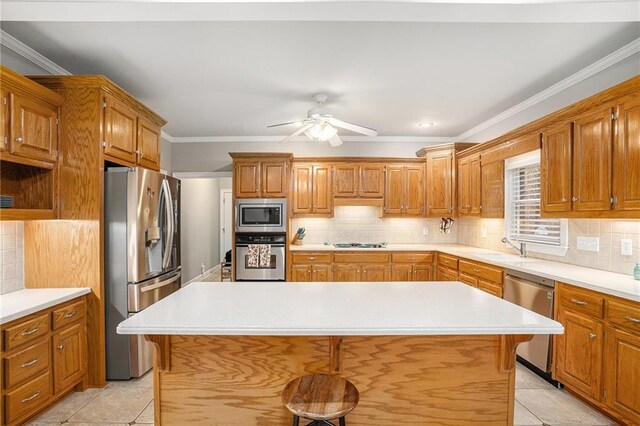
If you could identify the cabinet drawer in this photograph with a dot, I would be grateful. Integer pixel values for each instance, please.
(27, 399)
(448, 261)
(490, 288)
(68, 314)
(624, 315)
(311, 258)
(489, 273)
(468, 279)
(25, 331)
(26, 364)
(590, 303)
(412, 257)
(361, 258)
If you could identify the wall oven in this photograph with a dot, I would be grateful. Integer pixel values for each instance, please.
(251, 265)
(261, 215)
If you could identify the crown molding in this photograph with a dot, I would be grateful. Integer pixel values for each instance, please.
(196, 175)
(278, 138)
(619, 55)
(28, 53)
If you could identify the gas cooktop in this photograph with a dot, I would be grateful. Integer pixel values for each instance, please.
(360, 245)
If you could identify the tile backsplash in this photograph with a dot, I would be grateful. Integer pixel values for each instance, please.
(361, 224)
(11, 256)
(486, 233)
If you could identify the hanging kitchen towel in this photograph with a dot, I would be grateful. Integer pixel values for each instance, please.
(265, 255)
(253, 256)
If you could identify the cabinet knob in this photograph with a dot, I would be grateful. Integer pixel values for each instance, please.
(564, 200)
(592, 335)
(60, 347)
(574, 199)
(19, 139)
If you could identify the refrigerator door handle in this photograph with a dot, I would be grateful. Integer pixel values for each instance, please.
(161, 283)
(169, 212)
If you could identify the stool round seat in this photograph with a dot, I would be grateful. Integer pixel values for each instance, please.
(320, 396)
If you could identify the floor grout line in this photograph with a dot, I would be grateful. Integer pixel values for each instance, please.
(529, 411)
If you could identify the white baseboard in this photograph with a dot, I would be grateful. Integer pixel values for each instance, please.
(202, 276)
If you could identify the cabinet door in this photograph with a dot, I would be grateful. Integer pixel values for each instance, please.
(371, 181)
(555, 169)
(247, 179)
(301, 273)
(468, 279)
(345, 181)
(34, 129)
(120, 130)
(422, 273)
(414, 190)
(274, 179)
(302, 189)
(322, 195)
(579, 353)
(475, 186)
(626, 164)
(321, 273)
(622, 374)
(493, 189)
(148, 144)
(394, 193)
(464, 200)
(346, 273)
(401, 272)
(375, 273)
(592, 146)
(4, 120)
(69, 363)
(439, 184)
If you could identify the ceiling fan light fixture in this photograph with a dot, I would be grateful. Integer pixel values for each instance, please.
(321, 132)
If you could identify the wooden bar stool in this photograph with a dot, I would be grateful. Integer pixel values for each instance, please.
(320, 397)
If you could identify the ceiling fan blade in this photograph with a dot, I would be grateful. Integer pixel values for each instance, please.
(297, 132)
(335, 141)
(353, 127)
(286, 124)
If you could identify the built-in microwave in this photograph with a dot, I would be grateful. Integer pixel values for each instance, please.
(261, 215)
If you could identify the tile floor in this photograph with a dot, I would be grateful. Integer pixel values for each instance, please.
(131, 403)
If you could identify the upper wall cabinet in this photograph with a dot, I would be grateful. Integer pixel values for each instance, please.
(28, 146)
(365, 180)
(148, 144)
(312, 190)
(404, 190)
(469, 186)
(265, 178)
(626, 161)
(555, 168)
(492, 189)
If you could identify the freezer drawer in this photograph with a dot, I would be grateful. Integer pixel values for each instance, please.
(145, 294)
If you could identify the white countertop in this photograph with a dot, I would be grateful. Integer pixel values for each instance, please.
(335, 309)
(21, 303)
(595, 279)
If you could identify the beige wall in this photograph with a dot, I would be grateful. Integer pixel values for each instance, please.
(609, 231)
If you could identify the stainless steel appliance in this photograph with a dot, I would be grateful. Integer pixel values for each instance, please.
(274, 271)
(536, 294)
(142, 258)
(261, 215)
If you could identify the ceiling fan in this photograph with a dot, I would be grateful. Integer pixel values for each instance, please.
(321, 125)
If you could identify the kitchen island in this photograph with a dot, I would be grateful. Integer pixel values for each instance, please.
(419, 353)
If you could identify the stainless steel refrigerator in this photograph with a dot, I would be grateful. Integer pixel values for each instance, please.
(142, 258)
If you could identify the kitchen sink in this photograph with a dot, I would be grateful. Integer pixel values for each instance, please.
(500, 257)
(360, 245)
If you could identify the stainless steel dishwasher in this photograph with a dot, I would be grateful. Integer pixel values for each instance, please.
(536, 294)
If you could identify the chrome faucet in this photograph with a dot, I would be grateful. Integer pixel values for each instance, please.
(522, 250)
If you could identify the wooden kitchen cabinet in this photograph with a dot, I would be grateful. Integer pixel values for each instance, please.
(120, 130)
(446, 274)
(311, 273)
(69, 364)
(260, 175)
(622, 374)
(592, 153)
(4, 120)
(274, 179)
(361, 180)
(412, 266)
(404, 190)
(440, 184)
(346, 180)
(148, 144)
(579, 353)
(492, 189)
(312, 190)
(34, 128)
(247, 179)
(346, 273)
(626, 161)
(556, 168)
(469, 186)
(371, 181)
(374, 273)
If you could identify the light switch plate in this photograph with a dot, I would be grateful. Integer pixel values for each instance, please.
(626, 247)
(589, 243)
(484, 232)
(425, 230)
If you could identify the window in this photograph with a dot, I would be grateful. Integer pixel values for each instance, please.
(523, 222)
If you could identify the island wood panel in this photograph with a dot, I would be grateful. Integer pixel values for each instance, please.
(238, 380)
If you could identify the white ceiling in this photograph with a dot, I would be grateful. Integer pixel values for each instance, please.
(235, 78)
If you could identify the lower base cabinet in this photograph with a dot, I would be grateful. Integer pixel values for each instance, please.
(44, 356)
(598, 356)
(311, 273)
(361, 273)
(446, 274)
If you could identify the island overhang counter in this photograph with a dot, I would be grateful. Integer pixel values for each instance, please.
(419, 353)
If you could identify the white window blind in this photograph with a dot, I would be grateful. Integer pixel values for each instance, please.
(524, 221)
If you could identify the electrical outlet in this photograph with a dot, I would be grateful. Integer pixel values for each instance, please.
(425, 230)
(626, 247)
(202, 268)
(589, 243)
(484, 232)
